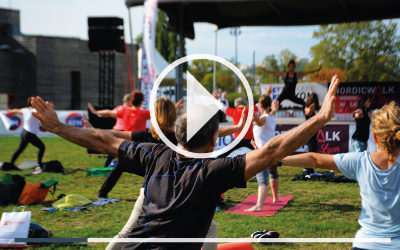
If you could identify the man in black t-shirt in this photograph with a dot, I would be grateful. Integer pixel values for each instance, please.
(181, 192)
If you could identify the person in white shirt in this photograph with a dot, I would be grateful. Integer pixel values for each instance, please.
(263, 131)
(28, 135)
(223, 99)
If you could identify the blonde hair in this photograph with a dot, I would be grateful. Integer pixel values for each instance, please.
(386, 126)
(166, 116)
(127, 98)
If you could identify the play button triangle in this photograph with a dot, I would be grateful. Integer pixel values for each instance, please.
(201, 106)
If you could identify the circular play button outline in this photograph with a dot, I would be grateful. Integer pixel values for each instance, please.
(153, 98)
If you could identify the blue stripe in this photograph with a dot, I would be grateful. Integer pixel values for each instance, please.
(145, 149)
(165, 175)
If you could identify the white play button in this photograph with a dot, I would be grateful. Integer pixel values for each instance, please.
(201, 106)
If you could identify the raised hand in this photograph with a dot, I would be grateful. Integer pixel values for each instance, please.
(253, 143)
(91, 108)
(310, 109)
(328, 106)
(179, 104)
(45, 114)
(268, 91)
(243, 118)
(275, 105)
(86, 122)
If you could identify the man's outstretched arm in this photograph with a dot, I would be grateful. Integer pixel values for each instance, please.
(285, 144)
(95, 139)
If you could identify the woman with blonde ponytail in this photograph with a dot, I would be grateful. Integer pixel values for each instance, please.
(378, 175)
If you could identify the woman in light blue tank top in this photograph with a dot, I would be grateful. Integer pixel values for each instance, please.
(378, 176)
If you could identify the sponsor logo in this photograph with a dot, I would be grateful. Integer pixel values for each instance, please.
(6, 223)
(75, 119)
(15, 121)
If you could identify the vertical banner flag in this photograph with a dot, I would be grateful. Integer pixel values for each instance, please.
(148, 57)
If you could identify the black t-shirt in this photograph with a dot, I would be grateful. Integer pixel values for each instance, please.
(362, 128)
(145, 136)
(290, 83)
(181, 194)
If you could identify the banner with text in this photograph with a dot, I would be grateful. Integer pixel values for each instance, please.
(12, 124)
(349, 93)
(149, 70)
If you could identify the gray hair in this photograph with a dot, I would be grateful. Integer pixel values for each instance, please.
(203, 137)
(239, 101)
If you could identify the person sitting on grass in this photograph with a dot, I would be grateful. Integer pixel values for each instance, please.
(377, 174)
(182, 192)
(264, 130)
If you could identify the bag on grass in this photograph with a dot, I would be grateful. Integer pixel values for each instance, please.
(71, 200)
(9, 194)
(11, 188)
(37, 231)
(14, 225)
(53, 166)
(37, 192)
(9, 167)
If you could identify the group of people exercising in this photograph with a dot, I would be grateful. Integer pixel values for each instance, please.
(180, 193)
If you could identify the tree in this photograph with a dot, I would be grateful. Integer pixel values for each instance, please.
(162, 36)
(271, 64)
(325, 75)
(139, 38)
(284, 57)
(365, 51)
(167, 42)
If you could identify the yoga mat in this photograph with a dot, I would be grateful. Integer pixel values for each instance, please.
(28, 165)
(269, 208)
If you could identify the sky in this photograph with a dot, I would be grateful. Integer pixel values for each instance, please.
(69, 19)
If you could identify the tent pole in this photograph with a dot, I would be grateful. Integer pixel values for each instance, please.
(135, 84)
(179, 87)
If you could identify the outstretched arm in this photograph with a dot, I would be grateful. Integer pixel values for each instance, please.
(285, 144)
(18, 111)
(107, 113)
(96, 139)
(225, 131)
(311, 160)
(274, 73)
(126, 135)
(300, 74)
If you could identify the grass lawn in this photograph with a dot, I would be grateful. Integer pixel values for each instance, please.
(318, 209)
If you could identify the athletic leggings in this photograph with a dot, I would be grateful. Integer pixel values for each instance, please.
(28, 137)
(290, 96)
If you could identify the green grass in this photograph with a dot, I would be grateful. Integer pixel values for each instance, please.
(318, 209)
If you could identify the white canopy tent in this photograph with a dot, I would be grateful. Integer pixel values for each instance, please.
(160, 62)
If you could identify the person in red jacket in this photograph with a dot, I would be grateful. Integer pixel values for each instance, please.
(236, 114)
(135, 118)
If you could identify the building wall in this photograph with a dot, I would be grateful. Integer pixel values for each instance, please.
(57, 57)
(42, 65)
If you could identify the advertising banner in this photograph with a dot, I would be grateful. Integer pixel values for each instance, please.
(148, 55)
(303, 90)
(349, 94)
(12, 124)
